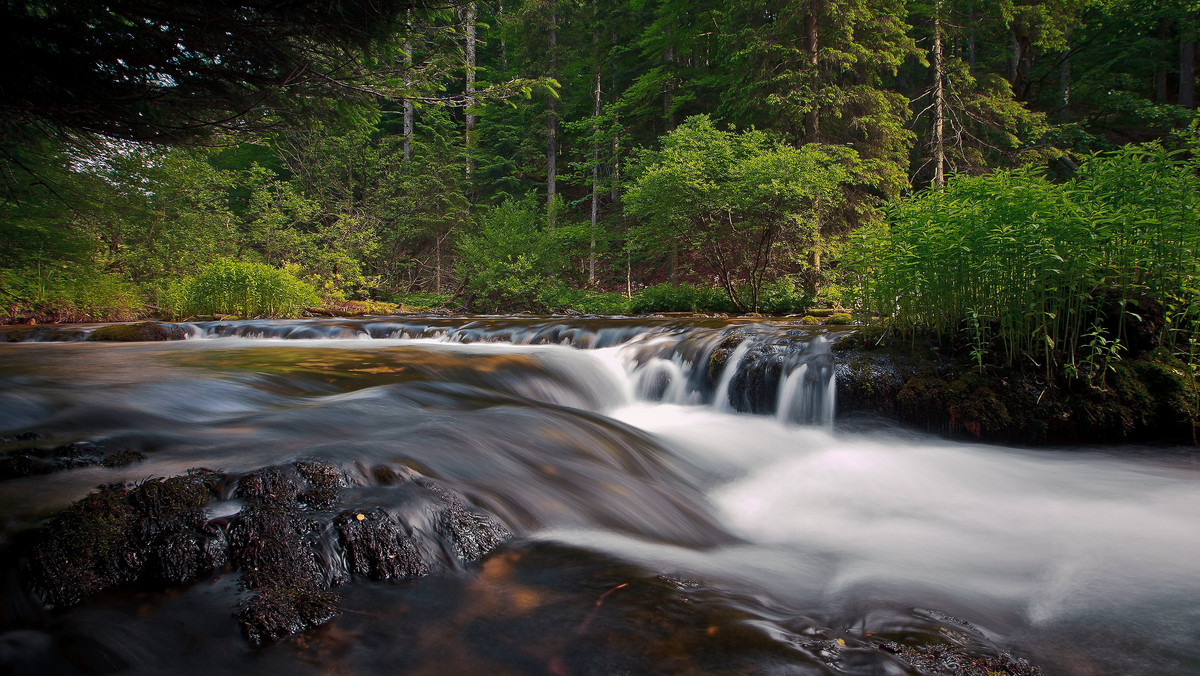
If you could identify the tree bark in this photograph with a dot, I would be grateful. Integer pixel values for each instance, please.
(408, 105)
(1064, 85)
(812, 119)
(595, 146)
(469, 18)
(552, 121)
(1187, 73)
(1160, 74)
(939, 102)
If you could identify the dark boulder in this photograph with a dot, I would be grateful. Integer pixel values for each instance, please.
(152, 533)
(378, 547)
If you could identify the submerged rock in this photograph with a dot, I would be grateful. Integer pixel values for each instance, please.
(280, 612)
(26, 460)
(143, 332)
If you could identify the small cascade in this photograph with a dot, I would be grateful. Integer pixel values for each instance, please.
(788, 375)
(764, 368)
(721, 396)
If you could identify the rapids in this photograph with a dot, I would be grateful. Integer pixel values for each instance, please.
(683, 497)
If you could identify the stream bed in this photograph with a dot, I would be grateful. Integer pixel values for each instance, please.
(681, 498)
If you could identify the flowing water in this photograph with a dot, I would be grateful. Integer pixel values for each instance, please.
(682, 499)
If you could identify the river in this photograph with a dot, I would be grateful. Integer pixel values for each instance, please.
(682, 496)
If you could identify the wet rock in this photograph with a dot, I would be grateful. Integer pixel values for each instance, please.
(473, 533)
(151, 533)
(268, 484)
(280, 612)
(122, 458)
(25, 461)
(1147, 398)
(143, 332)
(324, 483)
(377, 546)
(950, 660)
(268, 544)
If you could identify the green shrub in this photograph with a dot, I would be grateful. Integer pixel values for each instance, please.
(784, 296)
(242, 289)
(663, 298)
(72, 294)
(1040, 264)
(680, 298)
(512, 262)
(593, 303)
(425, 301)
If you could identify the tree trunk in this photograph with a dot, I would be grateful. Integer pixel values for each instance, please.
(595, 147)
(939, 102)
(812, 119)
(1187, 73)
(1064, 85)
(408, 105)
(971, 51)
(552, 121)
(1160, 74)
(469, 18)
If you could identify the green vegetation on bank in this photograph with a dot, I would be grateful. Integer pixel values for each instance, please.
(240, 289)
(1065, 276)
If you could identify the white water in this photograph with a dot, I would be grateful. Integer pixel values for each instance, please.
(1027, 540)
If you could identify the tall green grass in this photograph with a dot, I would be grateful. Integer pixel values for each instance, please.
(242, 289)
(1034, 264)
(68, 294)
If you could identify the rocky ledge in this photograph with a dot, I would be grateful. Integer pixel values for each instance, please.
(1148, 397)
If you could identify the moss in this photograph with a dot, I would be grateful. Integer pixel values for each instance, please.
(324, 483)
(20, 334)
(809, 320)
(720, 355)
(150, 533)
(132, 333)
(377, 546)
(1172, 385)
(122, 458)
(280, 612)
(976, 404)
(840, 319)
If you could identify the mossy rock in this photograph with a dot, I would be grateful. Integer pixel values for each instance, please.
(840, 319)
(720, 355)
(809, 320)
(134, 333)
(151, 533)
(280, 612)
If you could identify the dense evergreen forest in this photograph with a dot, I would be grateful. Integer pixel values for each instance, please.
(898, 159)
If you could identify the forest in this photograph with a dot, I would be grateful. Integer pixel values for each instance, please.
(946, 164)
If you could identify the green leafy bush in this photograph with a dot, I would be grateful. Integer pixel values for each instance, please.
(680, 298)
(422, 300)
(512, 262)
(597, 303)
(1050, 270)
(784, 296)
(243, 289)
(71, 294)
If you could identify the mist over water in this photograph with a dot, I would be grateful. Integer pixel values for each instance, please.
(703, 453)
